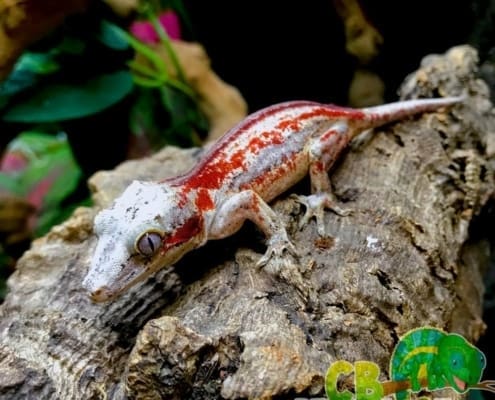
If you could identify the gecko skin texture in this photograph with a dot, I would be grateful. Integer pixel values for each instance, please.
(153, 224)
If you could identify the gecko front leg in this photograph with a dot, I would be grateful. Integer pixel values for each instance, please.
(247, 204)
(322, 151)
(244, 205)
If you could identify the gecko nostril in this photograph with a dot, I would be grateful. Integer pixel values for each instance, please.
(101, 294)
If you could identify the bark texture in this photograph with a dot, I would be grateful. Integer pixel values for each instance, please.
(215, 327)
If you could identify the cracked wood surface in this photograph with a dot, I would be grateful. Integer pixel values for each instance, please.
(215, 327)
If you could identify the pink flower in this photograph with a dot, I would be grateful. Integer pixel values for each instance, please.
(145, 32)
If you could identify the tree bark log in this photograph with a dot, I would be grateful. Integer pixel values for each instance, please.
(213, 326)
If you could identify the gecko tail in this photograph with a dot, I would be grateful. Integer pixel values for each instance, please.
(383, 114)
(489, 386)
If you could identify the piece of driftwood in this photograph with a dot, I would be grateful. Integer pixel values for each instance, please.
(363, 42)
(362, 39)
(216, 327)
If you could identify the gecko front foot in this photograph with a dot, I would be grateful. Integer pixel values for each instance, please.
(281, 260)
(286, 268)
(278, 247)
(315, 206)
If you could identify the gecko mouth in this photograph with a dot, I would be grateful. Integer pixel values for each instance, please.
(133, 270)
(102, 294)
(460, 383)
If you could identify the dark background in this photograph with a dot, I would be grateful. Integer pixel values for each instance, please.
(276, 51)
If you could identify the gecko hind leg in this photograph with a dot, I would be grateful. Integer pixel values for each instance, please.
(315, 205)
(322, 152)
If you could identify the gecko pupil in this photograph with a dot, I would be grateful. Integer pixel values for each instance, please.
(149, 243)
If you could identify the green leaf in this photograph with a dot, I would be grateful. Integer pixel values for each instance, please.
(25, 74)
(51, 172)
(110, 36)
(142, 116)
(51, 176)
(36, 144)
(60, 102)
(17, 81)
(184, 116)
(146, 51)
(37, 63)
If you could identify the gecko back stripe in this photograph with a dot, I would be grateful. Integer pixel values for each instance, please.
(232, 134)
(214, 167)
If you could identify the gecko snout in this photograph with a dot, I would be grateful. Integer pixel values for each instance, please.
(101, 294)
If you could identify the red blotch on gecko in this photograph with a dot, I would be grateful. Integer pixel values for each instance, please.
(189, 229)
(204, 200)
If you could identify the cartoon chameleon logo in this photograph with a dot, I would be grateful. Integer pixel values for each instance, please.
(424, 359)
(428, 358)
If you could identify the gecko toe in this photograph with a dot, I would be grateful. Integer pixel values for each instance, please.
(315, 205)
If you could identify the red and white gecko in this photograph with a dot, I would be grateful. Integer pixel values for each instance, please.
(153, 224)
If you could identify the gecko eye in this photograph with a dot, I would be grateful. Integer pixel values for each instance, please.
(148, 243)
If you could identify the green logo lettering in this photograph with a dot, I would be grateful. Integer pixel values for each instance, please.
(336, 369)
(367, 385)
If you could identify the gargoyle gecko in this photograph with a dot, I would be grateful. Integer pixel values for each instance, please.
(153, 224)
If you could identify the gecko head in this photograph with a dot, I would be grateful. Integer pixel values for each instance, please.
(148, 227)
(462, 363)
